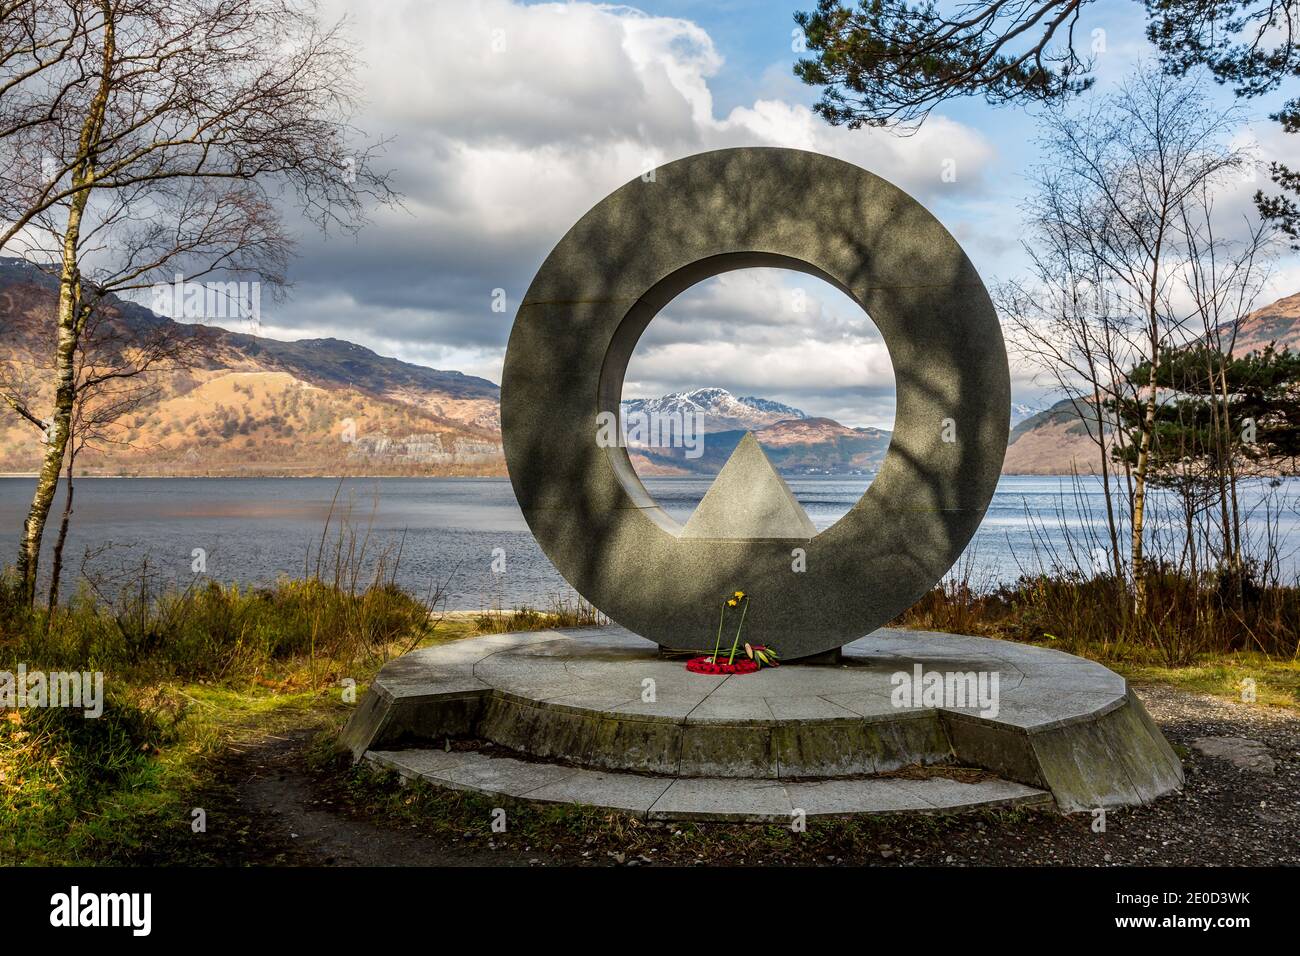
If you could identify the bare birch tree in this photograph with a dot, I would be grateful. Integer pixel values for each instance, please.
(1062, 324)
(1112, 203)
(118, 369)
(166, 144)
(1224, 278)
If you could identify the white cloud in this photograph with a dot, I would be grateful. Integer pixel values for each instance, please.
(575, 103)
(776, 334)
(511, 121)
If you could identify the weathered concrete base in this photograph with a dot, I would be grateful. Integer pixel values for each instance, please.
(600, 718)
(699, 798)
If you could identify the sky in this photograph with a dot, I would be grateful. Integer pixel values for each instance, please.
(508, 120)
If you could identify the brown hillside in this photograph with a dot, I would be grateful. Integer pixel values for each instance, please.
(256, 406)
(1055, 441)
(1278, 322)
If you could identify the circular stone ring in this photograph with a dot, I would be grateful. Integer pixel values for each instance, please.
(624, 261)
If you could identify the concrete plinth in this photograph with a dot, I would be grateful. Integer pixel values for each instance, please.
(596, 716)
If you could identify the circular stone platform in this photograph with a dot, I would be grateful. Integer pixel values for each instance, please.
(595, 716)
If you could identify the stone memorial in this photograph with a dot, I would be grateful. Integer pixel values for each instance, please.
(607, 716)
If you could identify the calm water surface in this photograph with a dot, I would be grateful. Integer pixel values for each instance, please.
(257, 529)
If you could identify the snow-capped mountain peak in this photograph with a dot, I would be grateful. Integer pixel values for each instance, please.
(722, 410)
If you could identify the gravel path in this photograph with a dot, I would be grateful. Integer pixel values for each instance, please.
(1227, 815)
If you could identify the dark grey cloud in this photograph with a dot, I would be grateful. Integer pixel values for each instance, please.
(499, 150)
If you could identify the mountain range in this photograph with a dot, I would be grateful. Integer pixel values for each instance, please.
(259, 406)
(719, 409)
(1056, 440)
(795, 442)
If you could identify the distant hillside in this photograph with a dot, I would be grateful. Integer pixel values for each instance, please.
(255, 405)
(1276, 322)
(806, 446)
(258, 406)
(1055, 441)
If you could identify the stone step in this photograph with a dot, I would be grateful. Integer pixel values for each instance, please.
(699, 798)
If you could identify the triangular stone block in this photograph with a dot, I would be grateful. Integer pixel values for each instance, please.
(749, 500)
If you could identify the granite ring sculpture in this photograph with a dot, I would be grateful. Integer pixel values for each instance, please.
(696, 218)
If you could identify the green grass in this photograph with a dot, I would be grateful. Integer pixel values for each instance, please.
(1277, 683)
(216, 631)
(97, 791)
(187, 677)
(561, 613)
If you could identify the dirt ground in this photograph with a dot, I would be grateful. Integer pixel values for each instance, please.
(271, 809)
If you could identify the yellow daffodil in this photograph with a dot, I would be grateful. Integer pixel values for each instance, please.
(731, 602)
(740, 595)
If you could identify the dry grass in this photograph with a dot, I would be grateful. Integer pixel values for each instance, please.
(1094, 616)
(561, 613)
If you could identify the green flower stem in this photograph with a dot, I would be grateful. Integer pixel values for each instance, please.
(718, 643)
(732, 658)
